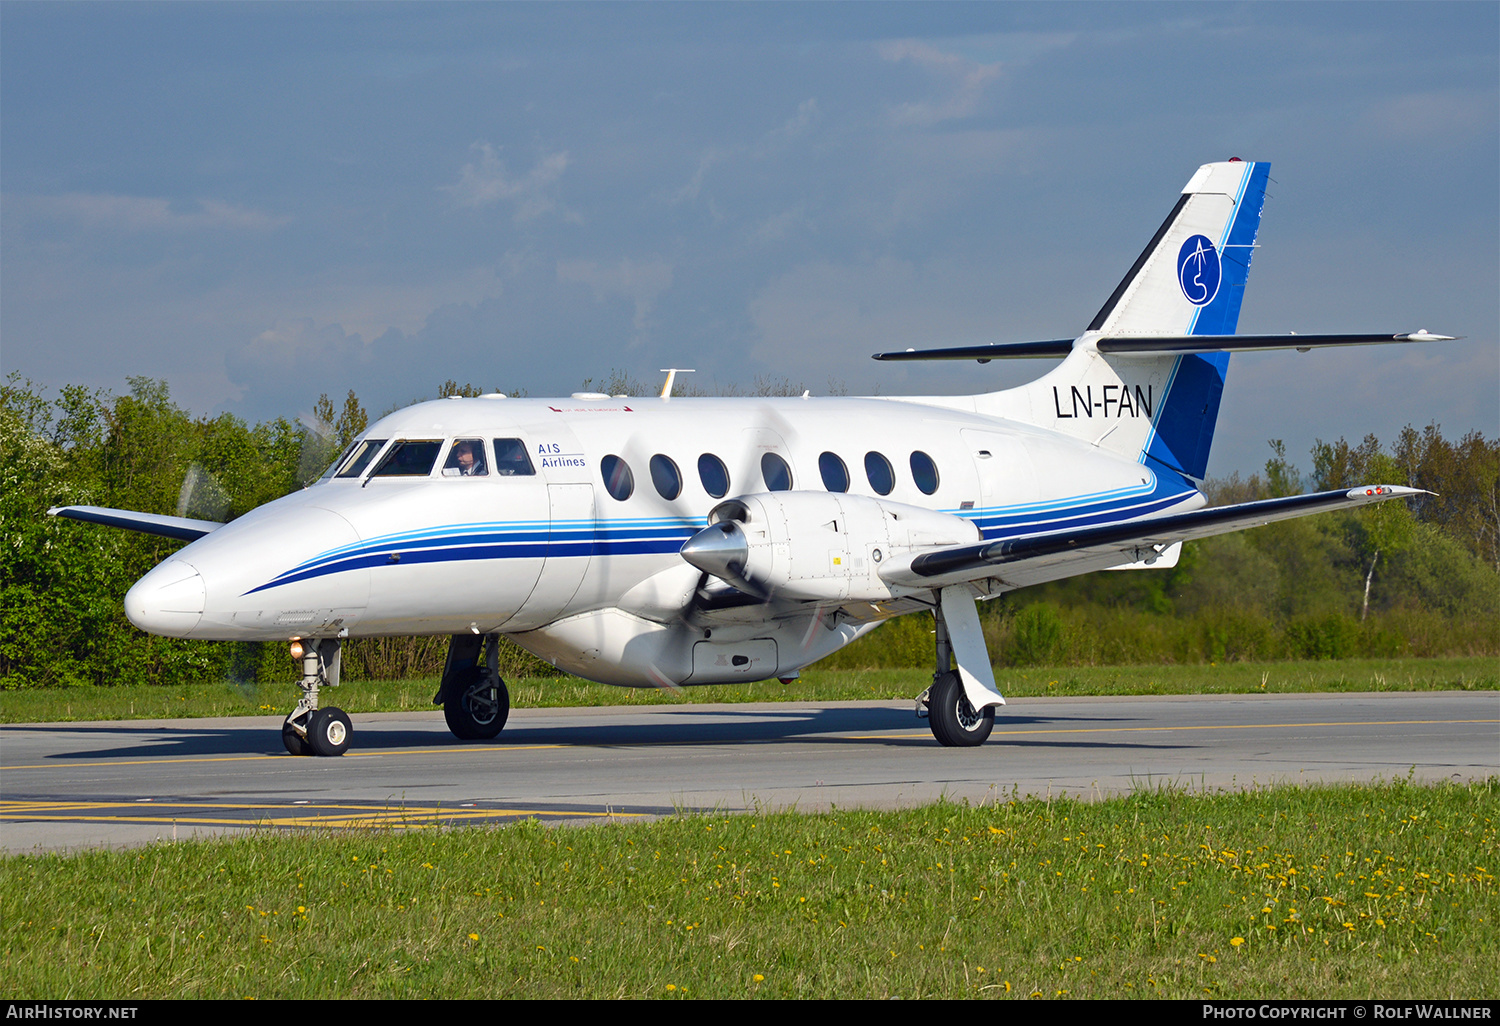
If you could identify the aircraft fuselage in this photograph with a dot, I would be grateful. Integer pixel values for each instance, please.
(594, 582)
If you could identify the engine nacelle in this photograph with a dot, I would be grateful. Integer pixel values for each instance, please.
(817, 546)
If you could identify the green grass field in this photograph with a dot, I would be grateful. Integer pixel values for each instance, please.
(223, 699)
(1344, 892)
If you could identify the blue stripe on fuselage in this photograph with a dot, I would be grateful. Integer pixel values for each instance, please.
(665, 535)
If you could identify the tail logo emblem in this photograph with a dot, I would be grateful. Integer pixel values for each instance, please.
(1198, 270)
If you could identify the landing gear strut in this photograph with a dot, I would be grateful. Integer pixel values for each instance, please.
(476, 702)
(309, 730)
(953, 720)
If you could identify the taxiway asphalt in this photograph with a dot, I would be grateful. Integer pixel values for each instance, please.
(78, 785)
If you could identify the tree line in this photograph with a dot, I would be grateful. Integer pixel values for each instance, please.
(1420, 577)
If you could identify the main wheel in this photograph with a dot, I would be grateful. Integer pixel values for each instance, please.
(328, 732)
(295, 743)
(954, 721)
(475, 709)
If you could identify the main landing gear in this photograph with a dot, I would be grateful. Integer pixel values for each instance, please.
(475, 701)
(945, 705)
(309, 730)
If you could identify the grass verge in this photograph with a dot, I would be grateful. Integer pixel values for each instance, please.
(137, 701)
(1328, 893)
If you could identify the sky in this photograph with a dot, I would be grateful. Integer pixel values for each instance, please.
(260, 203)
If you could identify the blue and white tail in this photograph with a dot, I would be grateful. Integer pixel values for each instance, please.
(1125, 386)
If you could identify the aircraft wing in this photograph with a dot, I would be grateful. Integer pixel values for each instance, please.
(182, 528)
(1037, 557)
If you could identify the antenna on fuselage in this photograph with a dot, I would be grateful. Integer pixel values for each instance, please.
(671, 373)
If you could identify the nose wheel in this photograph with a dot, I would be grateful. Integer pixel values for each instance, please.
(328, 732)
(309, 730)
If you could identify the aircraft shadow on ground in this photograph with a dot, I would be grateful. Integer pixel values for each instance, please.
(666, 727)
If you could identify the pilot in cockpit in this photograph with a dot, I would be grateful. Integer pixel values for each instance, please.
(466, 459)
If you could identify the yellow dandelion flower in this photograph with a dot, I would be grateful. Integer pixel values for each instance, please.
(1236, 941)
(473, 936)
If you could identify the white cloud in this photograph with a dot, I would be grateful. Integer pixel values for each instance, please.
(146, 213)
(797, 125)
(967, 78)
(781, 225)
(793, 128)
(690, 191)
(488, 181)
(640, 283)
(299, 344)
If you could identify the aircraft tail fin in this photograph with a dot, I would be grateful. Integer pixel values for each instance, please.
(1159, 408)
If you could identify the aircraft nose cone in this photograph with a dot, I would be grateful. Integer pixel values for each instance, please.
(719, 549)
(168, 601)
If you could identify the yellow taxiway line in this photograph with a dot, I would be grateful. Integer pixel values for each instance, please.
(347, 816)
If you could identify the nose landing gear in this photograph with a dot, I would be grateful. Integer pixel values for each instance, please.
(309, 730)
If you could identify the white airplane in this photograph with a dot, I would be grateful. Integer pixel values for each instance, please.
(658, 542)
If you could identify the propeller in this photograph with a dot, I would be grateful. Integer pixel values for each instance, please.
(719, 550)
(201, 496)
(320, 447)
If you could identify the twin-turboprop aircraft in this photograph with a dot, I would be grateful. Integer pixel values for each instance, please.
(659, 542)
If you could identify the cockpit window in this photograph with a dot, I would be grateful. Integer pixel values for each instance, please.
(511, 459)
(408, 459)
(364, 452)
(466, 459)
(336, 464)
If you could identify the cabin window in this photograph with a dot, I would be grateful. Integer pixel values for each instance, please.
(466, 459)
(363, 454)
(714, 475)
(618, 480)
(665, 476)
(878, 470)
(408, 458)
(924, 472)
(835, 474)
(775, 472)
(511, 459)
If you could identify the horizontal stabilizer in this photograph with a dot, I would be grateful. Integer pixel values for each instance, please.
(1160, 345)
(182, 528)
(1057, 347)
(1132, 541)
